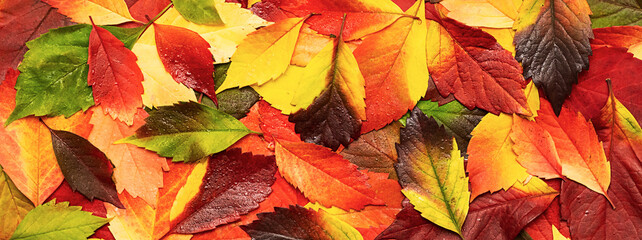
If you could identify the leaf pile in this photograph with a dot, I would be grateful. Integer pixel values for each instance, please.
(321, 119)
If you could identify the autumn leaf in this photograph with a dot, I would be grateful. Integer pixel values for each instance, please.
(138, 171)
(114, 75)
(140, 8)
(307, 166)
(395, 74)
(334, 117)
(608, 13)
(32, 167)
(233, 184)
(22, 21)
(535, 149)
(297, 222)
(591, 93)
(186, 57)
(56, 63)
(375, 151)
(471, 65)
(187, 132)
(263, 55)
(581, 155)
(362, 17)
(62, 222)
(553, 51)
(199, 12)
(107, 12)
(491, 216)
(85, 167)
(275, 125)
(368, 218)
(483, 13)
(589, 215)
(621, 36)
(541, 228)
(15, 203)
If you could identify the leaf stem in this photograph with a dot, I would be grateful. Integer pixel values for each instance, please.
(151, 21)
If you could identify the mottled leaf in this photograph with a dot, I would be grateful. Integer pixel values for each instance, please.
(455, 118)
(375, 151)
(15, 204)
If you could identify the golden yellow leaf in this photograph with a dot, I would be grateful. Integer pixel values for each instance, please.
(103, 12)
(483, 13)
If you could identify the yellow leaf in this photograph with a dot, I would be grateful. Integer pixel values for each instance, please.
(264, 55)
(15, 204)
(504, 37)
(103, 12)
(483, 13)
(280, 91)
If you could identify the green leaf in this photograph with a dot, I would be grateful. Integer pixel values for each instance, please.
(431, 172)
(607, 13)
(53, 79)
(58, 221)
(187, 131)
(128, 36)
(234, 101)
(15, 206)
(199, 11)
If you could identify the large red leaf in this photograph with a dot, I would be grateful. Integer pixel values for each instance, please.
(491, 216)
(186, 56)
(308, 166)
(114, 75)
(589, 215)
(471, 65)
(22, 21)
(590, 94)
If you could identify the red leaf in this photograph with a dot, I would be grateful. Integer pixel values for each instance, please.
(541, 227)
(590, 94)
(617, 36)
(275, 125)
(149, 8)
(64, 193)
(186, 56)
(22, 21)
(114, 75)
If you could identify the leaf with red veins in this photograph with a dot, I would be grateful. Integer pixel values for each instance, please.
(114, 75)
(186, 56)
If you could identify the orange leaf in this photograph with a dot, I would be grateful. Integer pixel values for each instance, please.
(137, 170)
(308, 166)
(27, 156)
(253, 142)
(581, 154)
(535, 149)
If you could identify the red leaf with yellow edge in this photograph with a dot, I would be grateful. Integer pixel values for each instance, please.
(542, 227)
(589, 215)
(492, 164)
(375, 151)
(308, 166)
(233, 184)
(32, 167)
(619, 36)
(114, 75)
(64, 193)
(391, 62)
(186, 56)
(137, 170)
(274, 124)
(362, 17)
(471, 65)
(581, 153)
(590, 94)
(535, 149)
(297, 222)
(283, 195)
(501, 215)
(552, 43)
(22, 21)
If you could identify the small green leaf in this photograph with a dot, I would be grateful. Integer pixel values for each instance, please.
(58, 221)
(199, 11)
(187, 131)
(53, 79)
(607, 13)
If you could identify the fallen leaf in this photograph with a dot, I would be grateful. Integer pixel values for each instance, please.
(552, 43)
(608, 13)
(375, 151)
(535, 149)
(61, 222)
(307, 166)
(16, 206)
(297, 222)
(114, 76)
(199, 12)
(104, 12)
(395, 74)
(621, 36)
(484, 13)
(275, 125)
(187, 132)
